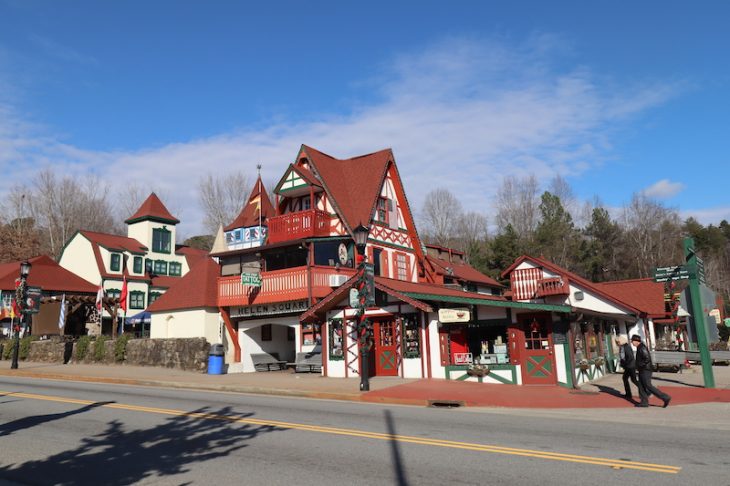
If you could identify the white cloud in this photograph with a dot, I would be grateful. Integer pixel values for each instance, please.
(460, 114)
(663, 189)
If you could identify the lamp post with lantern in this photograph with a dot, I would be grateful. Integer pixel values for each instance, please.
(21, 296)
(366, 298)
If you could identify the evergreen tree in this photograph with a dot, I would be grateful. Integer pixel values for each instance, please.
(556, 237)
(600, 250)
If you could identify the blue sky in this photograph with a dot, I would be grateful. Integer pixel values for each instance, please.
(617, 97)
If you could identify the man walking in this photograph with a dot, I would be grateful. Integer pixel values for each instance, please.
(644, 367)
(628, 364)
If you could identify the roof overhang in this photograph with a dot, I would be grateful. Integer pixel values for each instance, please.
(491, 303)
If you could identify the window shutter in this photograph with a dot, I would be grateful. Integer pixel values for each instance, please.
(384, 264)
(393, 216)
(444, 347)
(408, 267)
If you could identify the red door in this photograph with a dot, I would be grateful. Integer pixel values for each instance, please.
(386, 352)
(538, 362)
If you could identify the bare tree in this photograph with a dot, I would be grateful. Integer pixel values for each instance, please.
(518, 204)
(441, 215)
(61, 206)
(222, 198)
(653, 234)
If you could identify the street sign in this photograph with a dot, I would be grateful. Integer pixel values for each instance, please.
(662, 274)
(700, 270)
(251, 279)
(32, 300)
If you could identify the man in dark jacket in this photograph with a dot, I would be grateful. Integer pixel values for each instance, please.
(644, 367)
(628, 364)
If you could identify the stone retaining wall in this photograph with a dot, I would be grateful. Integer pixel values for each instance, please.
(185, 354)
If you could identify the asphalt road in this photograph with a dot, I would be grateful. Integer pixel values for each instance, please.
(81, 433)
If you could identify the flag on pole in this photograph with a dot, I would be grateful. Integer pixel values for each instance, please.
(123, 296)
(99, 296)
(62, 315)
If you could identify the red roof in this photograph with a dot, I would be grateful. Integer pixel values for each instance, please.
(257, 206)
(353, 184)
(432, 289)
(48, 275)
(574, 278)
(114, 242)
(195, 290)
(462, 271)
(152, 208)
(192, 255)
(643, 294)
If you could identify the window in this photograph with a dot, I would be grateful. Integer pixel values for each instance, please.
(160, 267)
(306, 203)
(290, 333)
(411, 337)
(311, 334)
(381, 212)
(401, 264)
(335, 338)
(154, 296)
(137, 264)
(136, 299)
(148, 265)
(175, 269)
(113, 293)
(116, 262)
(266, 332)
(161, 240)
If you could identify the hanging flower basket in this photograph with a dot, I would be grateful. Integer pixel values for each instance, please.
(477, 370)
(599, 362)
(584, 365)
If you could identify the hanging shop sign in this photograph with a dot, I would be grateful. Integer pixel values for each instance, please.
(454, 315)
(270, 309)
(662, 274)
(251, 279)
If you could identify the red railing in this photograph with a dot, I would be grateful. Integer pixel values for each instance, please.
(552, 286)
(300, 224)
(281, 286)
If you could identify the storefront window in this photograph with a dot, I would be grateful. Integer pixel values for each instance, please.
(311, 334)
(579, 344)
(478, 344)
(411, 339)
(335, 338)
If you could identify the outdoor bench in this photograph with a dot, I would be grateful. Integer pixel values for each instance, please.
(307, 362)
(673, 359)
(266, 362)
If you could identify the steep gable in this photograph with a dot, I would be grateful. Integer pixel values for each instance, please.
(258, 207)
(152, 209)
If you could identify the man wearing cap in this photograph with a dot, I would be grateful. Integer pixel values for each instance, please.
(644, 367)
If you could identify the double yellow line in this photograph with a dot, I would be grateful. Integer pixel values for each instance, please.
(554, 456)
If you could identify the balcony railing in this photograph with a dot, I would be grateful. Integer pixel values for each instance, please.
(282, 285)
(300, 224)
(552, 286)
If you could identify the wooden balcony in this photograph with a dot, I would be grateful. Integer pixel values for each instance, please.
(552, 286)
(300, 224)
(282, 286)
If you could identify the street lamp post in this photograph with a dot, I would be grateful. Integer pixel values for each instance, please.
(21, 296)
(365, 284)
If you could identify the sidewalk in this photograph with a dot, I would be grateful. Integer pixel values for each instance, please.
(685, 388)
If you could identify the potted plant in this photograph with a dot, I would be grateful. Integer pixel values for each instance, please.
(477, 370)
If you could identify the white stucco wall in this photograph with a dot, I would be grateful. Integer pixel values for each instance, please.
(78, 257)
(249, 338)
(187, 324)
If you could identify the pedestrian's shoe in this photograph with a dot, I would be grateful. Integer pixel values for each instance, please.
(628, 397)
(666, 402)
(642, 405)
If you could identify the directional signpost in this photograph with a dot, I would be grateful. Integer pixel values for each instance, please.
(663, 274)
(696, 274)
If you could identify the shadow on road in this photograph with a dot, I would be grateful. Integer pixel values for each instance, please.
(119, 456)
(400, 473)
(669, 380)
(28, 422)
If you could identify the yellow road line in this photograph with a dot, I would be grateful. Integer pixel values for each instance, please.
(555, 456)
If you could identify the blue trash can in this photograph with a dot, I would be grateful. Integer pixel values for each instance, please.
(215, 359)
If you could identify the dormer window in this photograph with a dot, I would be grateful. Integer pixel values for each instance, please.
(116, 262)
(161, 240)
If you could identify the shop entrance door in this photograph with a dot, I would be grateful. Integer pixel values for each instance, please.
(386, 352)
(538, 362)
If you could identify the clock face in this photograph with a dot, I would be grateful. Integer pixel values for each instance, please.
(342, 253)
